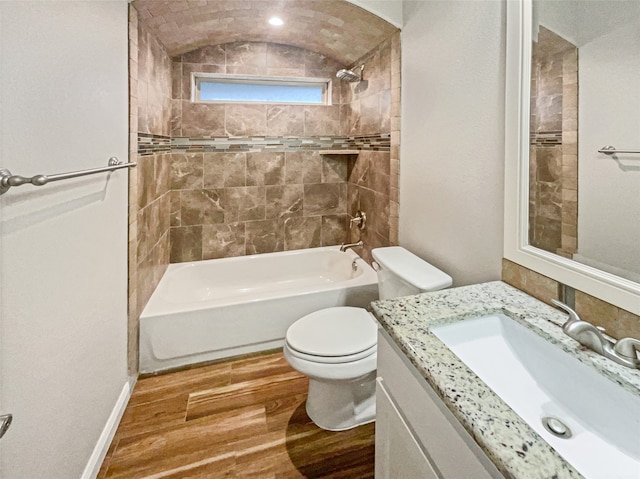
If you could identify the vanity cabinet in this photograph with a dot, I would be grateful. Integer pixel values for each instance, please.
(416, 435)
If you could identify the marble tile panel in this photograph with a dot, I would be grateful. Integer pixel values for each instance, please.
(202, 207)
(245, 120)
(317, 61)
(386, 124)
(265, 168)
(244, 204)
(224, 170)
(284, 201)
(174, 196)
(175, 121)
(212, 54)
(303, 167)
(353, 198)
(176, 80)
(335, 230)
(335, 169)
(322, 120)
(379, 217)
(286, 120)
(359, 169)
(627, 325)
(302, 232)
(379, 182)
(246, 54)
(223, 240)
(596, 312)
(549, 111)
(264, 236)
(370, 114)
(529, 281)
(162, 176)
(187, 171)
(549, 200)
(549, 164)
(202, 119)
(145, 179)
(286, 72)
(186, 244)
(325, 199)
(285, 56)
(350, 118)
(164, 211)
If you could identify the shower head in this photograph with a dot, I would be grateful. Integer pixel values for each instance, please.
(350, 75)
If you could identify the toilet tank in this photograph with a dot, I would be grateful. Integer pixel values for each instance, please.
(402, 273)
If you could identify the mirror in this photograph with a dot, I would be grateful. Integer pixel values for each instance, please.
(584, 204)
(572, 212)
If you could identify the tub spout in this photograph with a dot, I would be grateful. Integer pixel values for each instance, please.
(344, 247)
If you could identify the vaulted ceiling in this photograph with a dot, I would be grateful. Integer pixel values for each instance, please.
(334, 28)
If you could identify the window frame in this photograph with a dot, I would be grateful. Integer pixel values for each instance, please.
(198, 77)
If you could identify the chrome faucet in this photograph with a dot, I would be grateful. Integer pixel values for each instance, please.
(592, 337)
(345, 247)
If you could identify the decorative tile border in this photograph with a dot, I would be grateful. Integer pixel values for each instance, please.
(150, 144)
(546, 138)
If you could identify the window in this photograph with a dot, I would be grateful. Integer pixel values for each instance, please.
(247, 89)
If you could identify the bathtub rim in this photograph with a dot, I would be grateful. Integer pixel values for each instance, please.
(166, 308)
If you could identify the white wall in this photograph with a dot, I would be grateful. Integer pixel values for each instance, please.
(609, 114)
(63, 98)
(452, 144)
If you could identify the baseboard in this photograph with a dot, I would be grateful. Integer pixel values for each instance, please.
(104, 441)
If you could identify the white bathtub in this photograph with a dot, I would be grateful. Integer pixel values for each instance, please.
(217, 308)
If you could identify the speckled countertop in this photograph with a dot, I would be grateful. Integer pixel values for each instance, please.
(516, 449)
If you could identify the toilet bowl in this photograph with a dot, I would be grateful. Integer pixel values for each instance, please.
(337, 347)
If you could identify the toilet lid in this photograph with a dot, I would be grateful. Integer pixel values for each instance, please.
(340, 331)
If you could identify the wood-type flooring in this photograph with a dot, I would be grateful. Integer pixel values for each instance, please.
(244, 418)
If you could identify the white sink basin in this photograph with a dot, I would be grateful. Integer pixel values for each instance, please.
(537, 379)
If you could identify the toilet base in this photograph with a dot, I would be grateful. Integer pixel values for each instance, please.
(342, 405)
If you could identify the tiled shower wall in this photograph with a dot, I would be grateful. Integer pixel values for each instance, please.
(230, 204)
(149, 195)
(553, 196)
(373, 105)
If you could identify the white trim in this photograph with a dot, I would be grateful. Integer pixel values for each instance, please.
(198, 77)
(610, 288)
(92, 468)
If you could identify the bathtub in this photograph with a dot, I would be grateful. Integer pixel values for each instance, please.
(212, 309)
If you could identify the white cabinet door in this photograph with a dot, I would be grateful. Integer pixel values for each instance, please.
(398, 454)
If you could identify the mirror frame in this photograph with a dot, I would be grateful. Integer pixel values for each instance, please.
(600, 284)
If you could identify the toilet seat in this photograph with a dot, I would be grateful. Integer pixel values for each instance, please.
(333, 335)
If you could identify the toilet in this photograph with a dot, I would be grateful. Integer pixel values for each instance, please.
(337, 347)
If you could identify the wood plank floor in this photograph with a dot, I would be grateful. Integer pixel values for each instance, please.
(243, 418)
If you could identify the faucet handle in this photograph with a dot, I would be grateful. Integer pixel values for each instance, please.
(573, 316)
(627, 347)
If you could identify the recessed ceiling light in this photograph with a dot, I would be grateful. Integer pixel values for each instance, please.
(276, 21)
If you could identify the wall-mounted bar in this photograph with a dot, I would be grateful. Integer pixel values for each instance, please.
(7, 180)
(611, 150)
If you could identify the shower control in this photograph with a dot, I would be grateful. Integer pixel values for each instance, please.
(360, 220)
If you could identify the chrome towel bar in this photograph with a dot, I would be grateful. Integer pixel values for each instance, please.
(7, 180)
(611, 150)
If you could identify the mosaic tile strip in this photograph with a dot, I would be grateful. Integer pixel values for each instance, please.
(546, 138)
(149, 144)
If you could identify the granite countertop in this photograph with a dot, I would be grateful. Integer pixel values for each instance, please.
(516, 449)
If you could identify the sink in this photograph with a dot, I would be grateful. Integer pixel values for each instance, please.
(593, 423)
